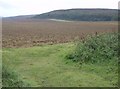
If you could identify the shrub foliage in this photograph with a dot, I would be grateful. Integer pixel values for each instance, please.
(11, 79)
(100, 48)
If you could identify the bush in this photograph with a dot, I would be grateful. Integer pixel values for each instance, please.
(100, 48)
(10, 79)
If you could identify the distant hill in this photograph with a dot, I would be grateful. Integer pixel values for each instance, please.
(21, 17)
(81, 15)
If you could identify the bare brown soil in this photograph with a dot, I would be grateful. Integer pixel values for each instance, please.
(26, 33)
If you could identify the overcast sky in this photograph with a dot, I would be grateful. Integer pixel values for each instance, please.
(27, 7)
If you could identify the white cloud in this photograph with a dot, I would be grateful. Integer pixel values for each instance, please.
(22, 7)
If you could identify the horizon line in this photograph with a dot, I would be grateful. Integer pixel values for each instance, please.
(59, 10)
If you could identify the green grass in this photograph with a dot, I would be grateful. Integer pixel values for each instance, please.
(0, 68)
(47, 66)
(11, 79)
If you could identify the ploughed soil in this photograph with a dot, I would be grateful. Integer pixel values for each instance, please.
(31, 32)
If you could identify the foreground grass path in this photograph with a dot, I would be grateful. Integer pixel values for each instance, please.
(46, 66)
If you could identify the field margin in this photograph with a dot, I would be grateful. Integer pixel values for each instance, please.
(0, 52)
(119, 45)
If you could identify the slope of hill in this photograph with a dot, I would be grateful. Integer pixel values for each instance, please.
(82, 15)
(21, 17)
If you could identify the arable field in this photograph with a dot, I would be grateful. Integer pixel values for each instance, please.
(26, 33)
(39, 53)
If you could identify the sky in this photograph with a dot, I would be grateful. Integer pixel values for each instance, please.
(28, 7)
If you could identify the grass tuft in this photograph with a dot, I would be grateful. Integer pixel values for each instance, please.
(10, 79)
